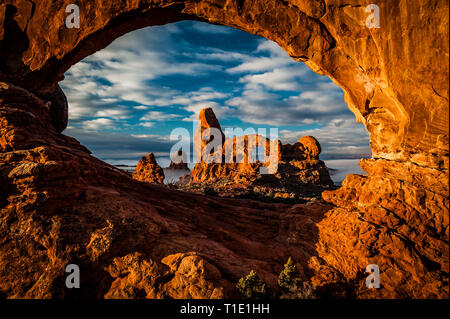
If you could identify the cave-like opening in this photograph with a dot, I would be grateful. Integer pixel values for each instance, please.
(125, 100)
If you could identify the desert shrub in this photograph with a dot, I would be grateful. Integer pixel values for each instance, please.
(289, 277)
(305, 290)
(251, 286)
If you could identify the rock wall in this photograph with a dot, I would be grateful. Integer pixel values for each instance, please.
(395, 80)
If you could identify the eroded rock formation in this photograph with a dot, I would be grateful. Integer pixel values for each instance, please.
(187, 276)
(208, 128)
(55, 198)
(254, 162)
(148, 170)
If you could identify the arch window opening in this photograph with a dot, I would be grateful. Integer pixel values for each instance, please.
(127, 99)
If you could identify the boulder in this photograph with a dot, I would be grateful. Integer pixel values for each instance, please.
(240, 160)
(309, 146)
(148, 170)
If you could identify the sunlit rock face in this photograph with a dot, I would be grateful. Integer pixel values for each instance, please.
(179, 161)
(55, 198)
(251, 161)
(148, 170)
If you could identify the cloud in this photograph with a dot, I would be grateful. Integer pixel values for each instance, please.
(147, 124)
(215, 54)
(118, 146)
(184, 99)
(141, 107)
(147, 81)
(203, 27)
(105, 83)
(117, 114)
(276, 58)
(340, 138)
(97, 124)
(258, 106)
(158, 116)
(283, 79)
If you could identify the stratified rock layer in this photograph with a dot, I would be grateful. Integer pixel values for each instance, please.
(59, 205)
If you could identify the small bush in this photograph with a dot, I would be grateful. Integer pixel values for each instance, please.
(304, 291)
(251, 286)
(289, 277)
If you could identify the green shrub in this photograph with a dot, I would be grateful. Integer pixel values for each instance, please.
(289, 277)
(251, 286)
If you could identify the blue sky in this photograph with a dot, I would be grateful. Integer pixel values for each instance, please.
(125, 100)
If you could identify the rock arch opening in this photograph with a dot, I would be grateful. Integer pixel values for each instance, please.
(395, 80)
(125, 100)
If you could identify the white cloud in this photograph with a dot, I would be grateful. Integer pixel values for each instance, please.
(122, 84)
(158, 116)
(141, 107)
(339, 138)
(277, 58)
(203, 27)
(117, 114)
(97, 124)
(220, 55)
(147, 124)
(283, 79)
(151, 136)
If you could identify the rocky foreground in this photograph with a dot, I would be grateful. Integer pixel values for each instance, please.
(59, 205)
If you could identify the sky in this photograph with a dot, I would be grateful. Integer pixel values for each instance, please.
(125, 100)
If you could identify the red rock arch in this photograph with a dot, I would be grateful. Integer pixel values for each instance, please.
(395, 80)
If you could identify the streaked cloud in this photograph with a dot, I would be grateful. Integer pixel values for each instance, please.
(153, 80)
(340, 138)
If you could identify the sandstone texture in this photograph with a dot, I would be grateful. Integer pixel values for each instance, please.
(148, 170)
(59, 205)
